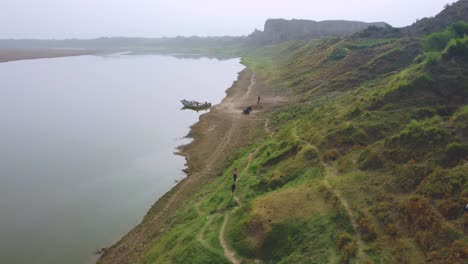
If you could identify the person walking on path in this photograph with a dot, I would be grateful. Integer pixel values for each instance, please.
(233, 187)
(258, 101)
(234, 174)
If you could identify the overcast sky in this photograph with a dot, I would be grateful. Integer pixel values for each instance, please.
(157, 18)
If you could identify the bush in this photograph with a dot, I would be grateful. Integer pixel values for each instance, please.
(343, 239)
(348, 247)
(366, 227)
(416, 212)
(456, 152)
(391, 230)
(450, 208)
(369, 160)
(425, 240)
(311, 155)
(338, 54)
(438, 41)
(457, 48)
(409, 176)
(421, 133)
(443, 183)
(449, 233)
(331, 155)
(460, 29)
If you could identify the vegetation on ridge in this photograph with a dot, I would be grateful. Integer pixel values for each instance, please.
(370, 165)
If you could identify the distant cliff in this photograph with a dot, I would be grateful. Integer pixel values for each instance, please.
(280, 30)
(453, 12)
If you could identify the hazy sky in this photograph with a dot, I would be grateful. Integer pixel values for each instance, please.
(156, 18)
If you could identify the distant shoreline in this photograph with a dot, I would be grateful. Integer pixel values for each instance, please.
(7, 55)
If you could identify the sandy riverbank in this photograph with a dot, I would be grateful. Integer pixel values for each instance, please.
(29, 54)
(216, 136)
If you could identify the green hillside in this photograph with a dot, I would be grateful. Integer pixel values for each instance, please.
(367, 165)
(381, 122)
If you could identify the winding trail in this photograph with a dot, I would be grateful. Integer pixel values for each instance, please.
(252, 83)
(228, 252)
(331, 171)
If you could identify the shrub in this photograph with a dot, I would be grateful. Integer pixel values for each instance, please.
(409, 176)
(338, 53)
(449, 233)
(456, 152)
(443, 183)
(425, 240)
(343, 239)
(416, 212)
(369, 160)
(348, 247)
(391, 230)
(366, 227)
(353, 135)
(460, 29)
(438, 41)
(432, 58)
(331, 155)
(421, 133)
(450, 209)
(311, 155)
(457, 48)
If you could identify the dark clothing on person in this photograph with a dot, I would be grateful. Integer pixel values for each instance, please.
(233, 187)
(234, 174)
(258, 101)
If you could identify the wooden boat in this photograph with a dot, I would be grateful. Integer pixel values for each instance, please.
(195, 104)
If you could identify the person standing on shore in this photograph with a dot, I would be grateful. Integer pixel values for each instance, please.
(234, 174)
(258, 101)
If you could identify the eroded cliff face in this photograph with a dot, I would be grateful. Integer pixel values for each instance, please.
(280, 30)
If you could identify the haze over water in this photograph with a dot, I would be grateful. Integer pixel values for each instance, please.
(87, 146)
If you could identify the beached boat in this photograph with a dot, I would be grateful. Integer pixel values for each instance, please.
(195, 104)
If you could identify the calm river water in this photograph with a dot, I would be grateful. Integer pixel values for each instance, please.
(86, 146)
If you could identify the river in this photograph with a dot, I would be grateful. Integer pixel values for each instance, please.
(87, 143)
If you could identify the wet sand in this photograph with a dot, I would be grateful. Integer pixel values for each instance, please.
(29, 54)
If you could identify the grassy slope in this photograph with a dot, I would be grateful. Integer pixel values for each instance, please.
(368, 166)
(390, 128)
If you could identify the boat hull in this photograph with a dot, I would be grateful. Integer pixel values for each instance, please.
(195, 104)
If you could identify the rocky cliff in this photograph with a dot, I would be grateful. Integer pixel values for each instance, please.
(280, 30)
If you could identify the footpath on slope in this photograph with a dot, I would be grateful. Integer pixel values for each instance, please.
(228, 252)
(217, 135)
(332, 171)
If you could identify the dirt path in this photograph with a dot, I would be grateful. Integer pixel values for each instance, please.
(230, 254)
(329, 170)
(252, 83)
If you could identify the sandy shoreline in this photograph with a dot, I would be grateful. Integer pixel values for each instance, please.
(217, 135)
(7, 55)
